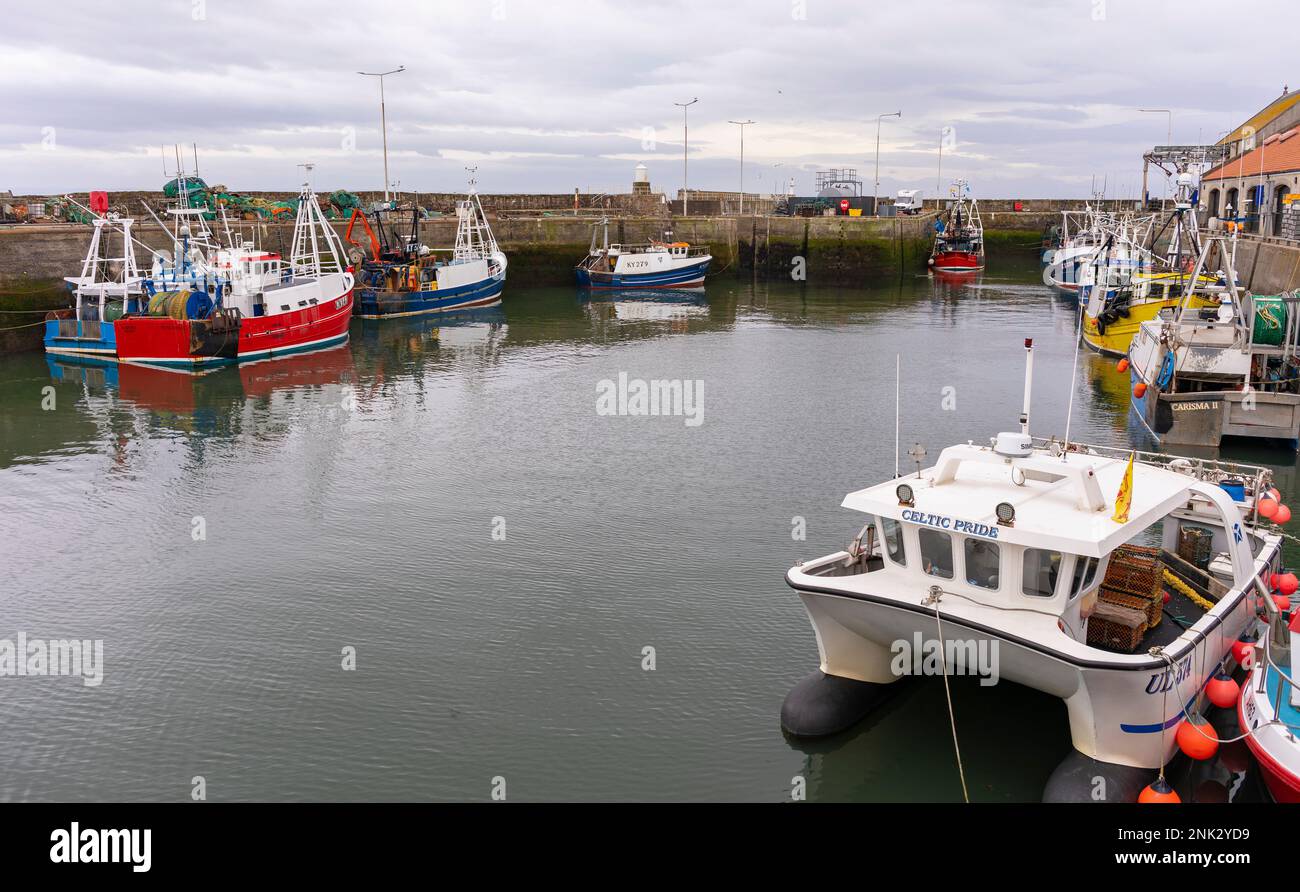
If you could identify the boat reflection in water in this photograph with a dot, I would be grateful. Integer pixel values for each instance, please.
(645, 304)
(951, 283)
(196, 393)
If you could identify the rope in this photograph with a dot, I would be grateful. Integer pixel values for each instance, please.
(935, 592)
(27, 325)
(1186, 591)
(51, 310)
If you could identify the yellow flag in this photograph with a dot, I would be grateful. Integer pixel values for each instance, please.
(1124, 497)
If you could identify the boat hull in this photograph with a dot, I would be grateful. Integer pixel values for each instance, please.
(376, 304)
(1113, 338)
(1122, 708)
(1273, 746)
(187, 343)
(682, 277)
(1204, 418)
(957, 261)
(80, 338)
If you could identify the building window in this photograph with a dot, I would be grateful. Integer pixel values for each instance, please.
(1041, 569)
(1214, 202)
(983, 562)
(936, 553)
(893, 531)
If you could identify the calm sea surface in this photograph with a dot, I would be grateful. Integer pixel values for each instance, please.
(442, 496)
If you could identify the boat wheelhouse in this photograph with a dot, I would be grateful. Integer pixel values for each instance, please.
(1222, 362)
(401, 277)
(109, 285)
(1024, 547)
(959, 234)
(656, 264)
(212, 303)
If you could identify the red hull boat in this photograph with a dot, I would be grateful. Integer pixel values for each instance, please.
(221, 303)
(959, 235)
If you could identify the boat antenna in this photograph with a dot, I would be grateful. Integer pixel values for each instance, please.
(1029, 384)
(1074, 377)
(898, 365)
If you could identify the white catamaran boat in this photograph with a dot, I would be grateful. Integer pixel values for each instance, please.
(1054, 555)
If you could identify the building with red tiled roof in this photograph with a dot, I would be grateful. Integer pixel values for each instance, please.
(1260, 187)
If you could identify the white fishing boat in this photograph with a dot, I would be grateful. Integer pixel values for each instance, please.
(1268, 710)
(1222, 362)
(1053, 556)
(656, 264)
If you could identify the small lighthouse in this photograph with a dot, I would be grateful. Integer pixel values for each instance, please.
(641, 180)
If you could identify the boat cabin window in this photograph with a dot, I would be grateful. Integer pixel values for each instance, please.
(936, 552)
(1085, 571)
(1041, 569)
(893, 536)
(983, 561)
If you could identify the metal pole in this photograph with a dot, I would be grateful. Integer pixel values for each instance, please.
(742, 163)
(875, 200)
(685, 145)
(383, 116)
(1169, 138)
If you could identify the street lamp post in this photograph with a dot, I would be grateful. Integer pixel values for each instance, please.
(875, 200)
(742, 163)
(685, 144)
(383, 116)
(1169, 138)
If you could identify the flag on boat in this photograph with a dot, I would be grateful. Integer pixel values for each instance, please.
(1124, 497)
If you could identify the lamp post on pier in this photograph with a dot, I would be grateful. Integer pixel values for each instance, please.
(383, 116)
(875, 201)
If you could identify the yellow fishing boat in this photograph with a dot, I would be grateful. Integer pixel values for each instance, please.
(1111, 320)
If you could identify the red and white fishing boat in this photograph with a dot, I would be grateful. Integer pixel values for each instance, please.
(959, 234)
(216, 304)
(1269, 708)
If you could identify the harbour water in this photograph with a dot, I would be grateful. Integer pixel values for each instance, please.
(443, 496)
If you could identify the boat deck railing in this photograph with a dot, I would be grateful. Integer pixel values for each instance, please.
(1255, 478)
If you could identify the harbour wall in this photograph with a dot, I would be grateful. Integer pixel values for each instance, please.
(543, 249)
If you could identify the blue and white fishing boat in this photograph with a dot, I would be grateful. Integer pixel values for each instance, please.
(108, 287)
(652, 265)
(409, 279)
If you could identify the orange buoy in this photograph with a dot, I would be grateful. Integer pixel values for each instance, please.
(1266, 507)
(1158, 792)
(1273, 493)
(1122, 365)
(1197, 738)
(1222, 690)
(1282, 601)
(1283, 514)
(1240, 650)
(1273, 580)
(1288, 584)
(1140, 389)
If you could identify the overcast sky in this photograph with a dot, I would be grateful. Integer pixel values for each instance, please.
(548, 95)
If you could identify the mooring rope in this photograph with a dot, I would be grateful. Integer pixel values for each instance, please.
(933, 599)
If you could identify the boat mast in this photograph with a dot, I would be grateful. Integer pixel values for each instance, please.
(1029, 385)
